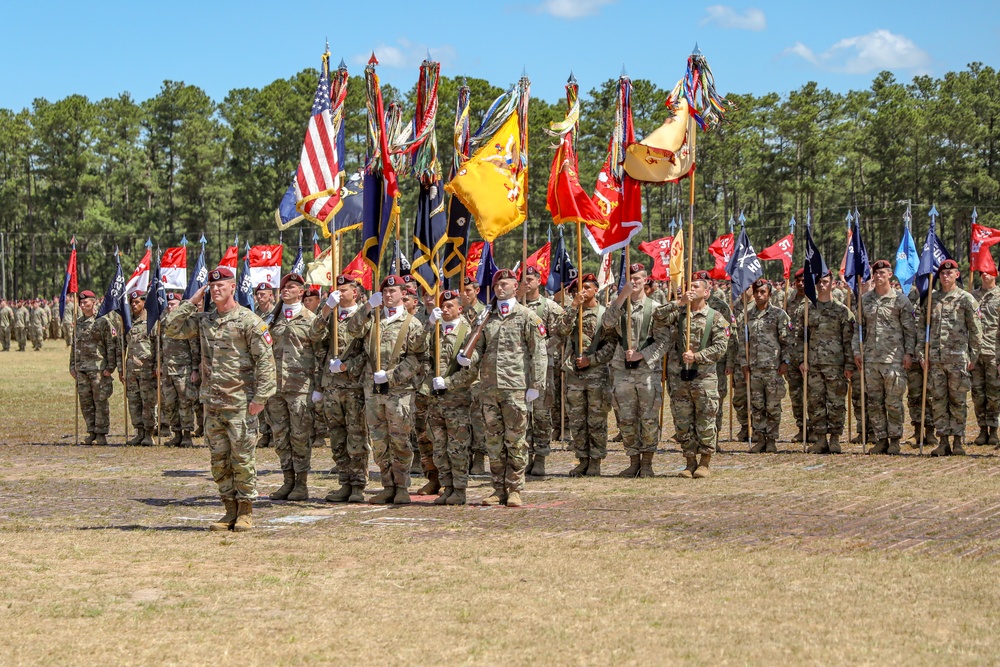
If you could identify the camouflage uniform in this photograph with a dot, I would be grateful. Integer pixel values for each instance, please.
(21, 317)
(239, 369)
(390, 415)
(831, 329)
(890, 332)
(587, 390)
(178, 394)
(476, 406)
(956, 340)
(95, 353)
(796, 318)
(6, 324)
(733, 365)
(915, 379)
(55, 324)
(37, 323)
(985, 375)
(719, 303)
(768, 349)
(540, 433)
(140, 376)
(69, 317)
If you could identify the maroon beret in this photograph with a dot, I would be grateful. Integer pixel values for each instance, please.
(290, 278)
(589, 278)
(346, 279)
(173, 296)
(311, 291)
(531, 271)
(449, 295)
(636, 268)
(948, 264)
(136, 294)
(87, 294)
(800, 273)
(410, 290)
(391, 281)
(760, 282)
(221, 273)
(470, 281)
(264, 287)
(881, 264)
(700, 275)
(502, 274)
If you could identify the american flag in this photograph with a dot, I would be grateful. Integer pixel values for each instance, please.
(317, 179)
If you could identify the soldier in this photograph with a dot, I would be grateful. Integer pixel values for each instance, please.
(21, 317)
(55, 324)
(915, 384)
(448, 422)
(956, 336)
(511, 346)
(637, 370)
(263, 297)
(394, 358)
(540, 431)
(796, 313)
(829, 367)
(420, 442)
(719, 302)
(310, 299)
(38, 321)
(586, 376)
(343, 395)
(69, 317)
(239, 379)
(6, 324)
(290, 409)
(472, 308)
(140, 373)
(694, 393)
(890, 336)
(733, 364)
(764, 364)
(181, 364)
(92, 361)
(320, 430)
(985, 377)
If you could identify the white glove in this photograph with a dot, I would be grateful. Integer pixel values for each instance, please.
(530, 395)
(317, 397)
(435, 315)
(463, 360)
(333, 300)
(438, 383)
(336, 366)
(375, 301)
(381, 377)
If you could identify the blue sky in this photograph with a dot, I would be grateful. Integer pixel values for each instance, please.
(52, 49)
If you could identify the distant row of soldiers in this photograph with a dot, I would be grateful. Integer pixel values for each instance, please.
(33, 320)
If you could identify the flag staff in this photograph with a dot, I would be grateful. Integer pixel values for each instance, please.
(927, 344)
(159, 359)
(858, 280)
(76, 385)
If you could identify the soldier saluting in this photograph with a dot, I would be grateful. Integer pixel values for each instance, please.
(92, 361)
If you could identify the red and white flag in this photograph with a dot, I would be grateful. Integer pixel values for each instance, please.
(659, 250)
(140, 277)
(472, 257)
(317, 180)
(721, 249)
(540, 260)
(360, 271)
(265, 265)
(782, 250)
(605, 276)
(173, 269)
(980, 258)
(230, 258)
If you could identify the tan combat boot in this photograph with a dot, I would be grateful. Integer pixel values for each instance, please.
(513, 499)
(186, 439)
(478, 466)
(147, 439)
(457, 497)
(646, 465)
(102, 440)
(770, 446)
(537, 468)
(226, 522)
(174, 441)
(818, 447)
(402, 496)
(893, 447)
(834, 445)
(340, 495)
(445, 493)
(758, 446)
(415, 465)
(432, 486)
(702, 470)
(957, 449)
(580, 468)
(593, 468)
(692, 465)
(137, 439)
(993, 439)
(498, 497)
(244, 516)
(880, 447)
(384, 497)
(281, 493)
(983, 437)
(930, 438)
(633, 469)
(943, 449)
(744, 435)
(301, 489)
(357, 493)
(90, 439)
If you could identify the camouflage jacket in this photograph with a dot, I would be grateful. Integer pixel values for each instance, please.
(796, 320)
(989, 313)
(180, 357)
(21, 317)
(652, 349)
(956, 333)
(6, 317)
(670, 325)
(889, 327)
(452, 337)
(831, 330)
(96, 348)
(350, 349)
(140, 348)
(236, 350)
(769, 338)
(512, 350)
(39, 317)
(567, 327)
(401, 370)
(549, 312)
(295, 343)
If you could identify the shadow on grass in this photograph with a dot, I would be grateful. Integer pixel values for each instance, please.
(136, 527)
(195, 501)
(186, 473)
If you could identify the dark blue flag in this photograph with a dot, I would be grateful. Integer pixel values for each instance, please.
(115, 299)
(399, 265)
(352, 200)
(429, 235)
(563, 272)
(814, 267)
(299, 265)
(244, 288)
(622, 272)
(199, 277)
(287, 215)
(743, 265)
(156, 299)
(456, 246)
(857, 263)
(485, 271)
(931, 257)
(377, 216)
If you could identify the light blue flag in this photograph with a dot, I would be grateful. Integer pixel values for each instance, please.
(907, 261)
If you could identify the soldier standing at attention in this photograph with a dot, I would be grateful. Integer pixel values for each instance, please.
(310, 299)
(448, 423)
(239, 379)
(394, 358)
(343, 395)
(915, 384)
(181, 372)
(890, 336)
(586, 367)
(796, 381)
(540, 432)
(734, 364)
(956, 342)
(472, 308)
(718, 301)
(6, 324)
(694, 387)
(140, 373)
(637, 371)
(830, 366)
(766, 365)
(38, 321)
(985, 375)
(263, 298)
(92, 361)
(21, 317)
(512, 352)
(69, 317)
(290, 409)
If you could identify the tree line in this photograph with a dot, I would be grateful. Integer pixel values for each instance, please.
(115, 171)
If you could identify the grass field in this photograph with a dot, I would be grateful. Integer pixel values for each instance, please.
(778, 558)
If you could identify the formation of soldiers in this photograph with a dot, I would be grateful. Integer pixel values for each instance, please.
(34, 321)
(441, 385)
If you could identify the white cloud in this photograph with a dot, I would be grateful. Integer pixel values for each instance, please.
(572, 9)
(729, 18)
(407, 54)
(876, 51)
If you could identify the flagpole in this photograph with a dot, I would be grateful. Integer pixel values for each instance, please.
(927, 365)
(335, 269)
(76, 418)
(692, 136)
(159, 374)
(861, 345)
(628, 302)
(732, 307)
(805, 376)
(746, 376)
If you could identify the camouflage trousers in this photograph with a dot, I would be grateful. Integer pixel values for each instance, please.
(948, 395)
(694, 405)
(795, 385)
(67, 333)
(291, 418)
(450, 431)
(914, 397)
(95, 390)
(140, 388)
(637, 392)
(884, 387)
(420, 441)
(740, 402)
(478, 425)
(37, 337)
(556, 410)
(720, 372)
(587, 406)
(390, 420)
(986, 391)
(21, 334)
(232, 446)
(767, 389)
(179, 397)
(827, 393)
(506, 416)
(540, 417)
(5, 339)
(54, 327)
(321, 428)
(344, 407)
